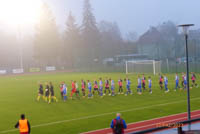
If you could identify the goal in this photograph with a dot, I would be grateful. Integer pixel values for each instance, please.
(143, 66)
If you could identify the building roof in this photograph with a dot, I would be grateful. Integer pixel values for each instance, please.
(130, 55)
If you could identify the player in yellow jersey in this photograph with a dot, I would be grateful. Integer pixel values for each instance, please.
(52, 96)
(47, 92)
(40, 92)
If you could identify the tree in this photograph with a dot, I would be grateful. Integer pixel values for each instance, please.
(90, 34)
(169, 33)
(72, 41)
(111, 39)
(47, 41)
(9, 52)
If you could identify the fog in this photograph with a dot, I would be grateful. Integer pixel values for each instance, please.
(88, 35)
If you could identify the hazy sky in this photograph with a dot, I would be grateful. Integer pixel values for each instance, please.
(131, 15)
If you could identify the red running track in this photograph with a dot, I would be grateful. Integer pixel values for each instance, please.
(147, 124)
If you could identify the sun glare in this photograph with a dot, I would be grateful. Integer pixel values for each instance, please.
(15, 12)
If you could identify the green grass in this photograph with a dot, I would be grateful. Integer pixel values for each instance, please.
(18, 95)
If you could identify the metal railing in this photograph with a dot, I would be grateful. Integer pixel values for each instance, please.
(179, 129)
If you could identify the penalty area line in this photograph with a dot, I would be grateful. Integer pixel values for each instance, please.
(99, 115)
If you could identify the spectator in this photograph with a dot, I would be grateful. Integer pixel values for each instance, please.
(118, 125)
(23, 125)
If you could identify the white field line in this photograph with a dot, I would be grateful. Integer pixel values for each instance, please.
(170, 121)
(99, 115)
(139, 122)
(178, 119)
(149, 119)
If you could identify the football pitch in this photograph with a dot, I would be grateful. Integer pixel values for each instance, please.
(18, 95)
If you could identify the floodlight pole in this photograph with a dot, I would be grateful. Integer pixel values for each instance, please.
(185, 28)
(188, 86)
(20, 47)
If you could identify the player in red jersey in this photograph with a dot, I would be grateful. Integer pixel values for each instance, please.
(143, 82)
(161, 82)
(83, 86)
(193, 78)
(120, 86)
(73, 89)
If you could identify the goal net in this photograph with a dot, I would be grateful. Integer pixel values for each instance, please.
(143, 66)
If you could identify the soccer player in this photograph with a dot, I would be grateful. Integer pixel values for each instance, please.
(40, 92)
(161, 82)
(183, 76)
(112, 87)
(52, 96)
(177, 82)
(83, 85)
(89, 89)
(193, 78)
(100, 87)
(73, 89)
(107, 87)
(139, 87)
(128, 85)
(150, 84)
(166, 84)
(61, 90)
(185, 82)
(64, 91)
(95, 88)
(47, 92)
(77, 90)
(120, 86)
(143, 82)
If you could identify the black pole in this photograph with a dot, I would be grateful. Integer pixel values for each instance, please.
(188, 86)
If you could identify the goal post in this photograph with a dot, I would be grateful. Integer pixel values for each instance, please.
(143, 66)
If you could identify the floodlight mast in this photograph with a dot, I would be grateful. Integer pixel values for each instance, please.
(20, 47)
(185, 28)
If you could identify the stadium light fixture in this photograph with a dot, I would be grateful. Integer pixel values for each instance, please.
(185, 28)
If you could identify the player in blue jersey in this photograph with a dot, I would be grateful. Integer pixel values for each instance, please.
(128, 86)
(100, 87)
(182, 82)
(166, 84)
(150, 84)
(177, 82)
(112, 87)
(185, 82)
(64, 91)
(89, 85)
(139, 86)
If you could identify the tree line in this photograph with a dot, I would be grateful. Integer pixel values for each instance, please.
(87, 44)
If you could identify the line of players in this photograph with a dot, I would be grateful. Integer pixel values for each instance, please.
(97, 88)
(177, 86)
(49, 92)
(109, 87)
